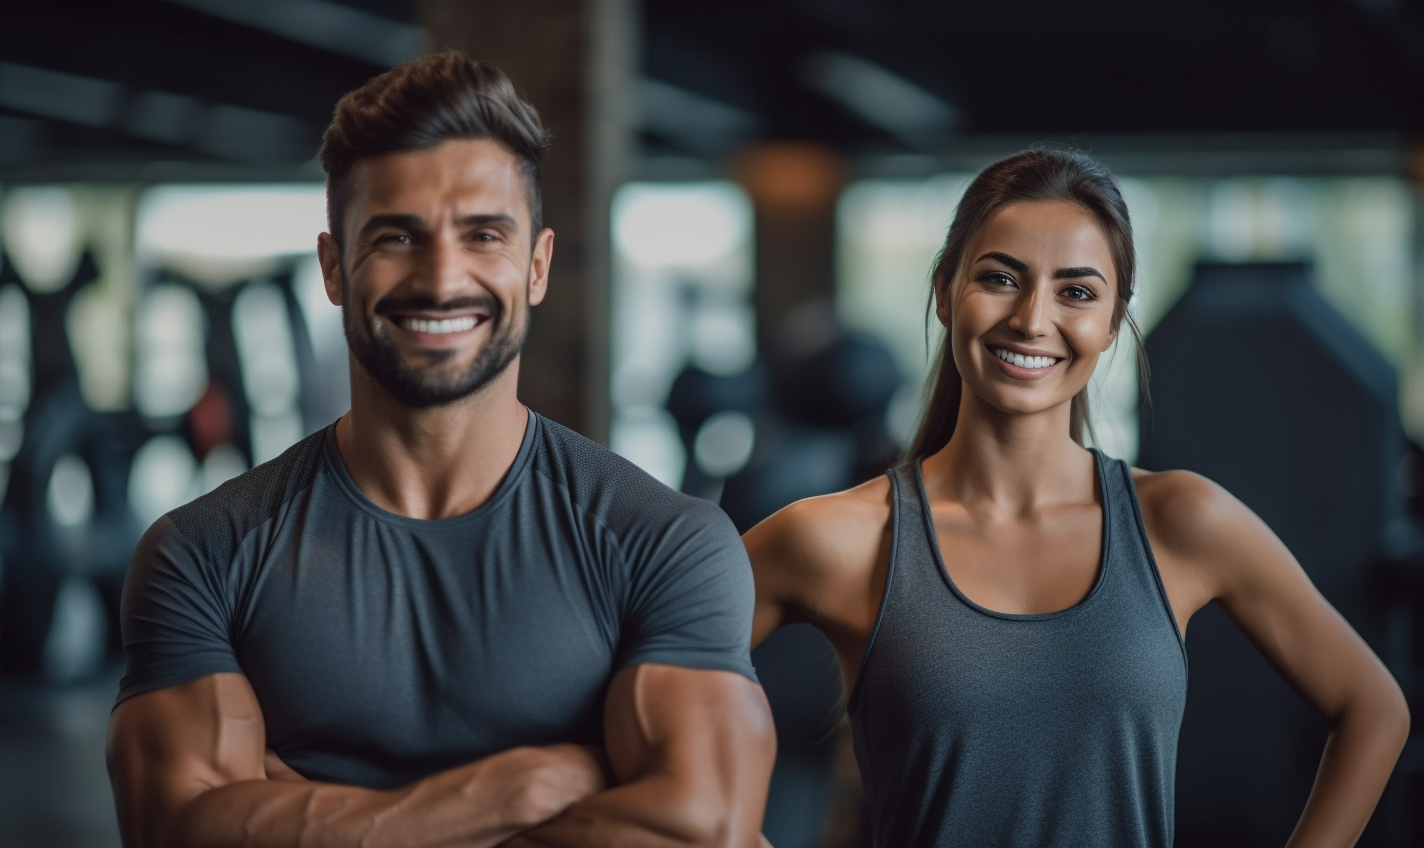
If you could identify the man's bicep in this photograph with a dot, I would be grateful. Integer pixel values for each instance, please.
(169, 745)
(707, 733)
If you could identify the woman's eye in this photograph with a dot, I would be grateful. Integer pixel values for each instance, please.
(998, 279)
(1078, 293)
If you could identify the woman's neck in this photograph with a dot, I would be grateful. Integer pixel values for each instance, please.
(1010, 461)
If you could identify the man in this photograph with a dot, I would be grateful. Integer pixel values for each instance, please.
(417, 626)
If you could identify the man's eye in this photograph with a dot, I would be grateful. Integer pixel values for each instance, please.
(395, 240)
(484, 237)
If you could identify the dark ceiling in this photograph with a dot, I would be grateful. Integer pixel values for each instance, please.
(252, 82)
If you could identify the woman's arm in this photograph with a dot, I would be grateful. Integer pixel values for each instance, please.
(1210, 546)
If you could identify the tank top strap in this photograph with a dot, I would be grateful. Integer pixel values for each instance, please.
(914, 547)
(909, 549)
(1129, 549)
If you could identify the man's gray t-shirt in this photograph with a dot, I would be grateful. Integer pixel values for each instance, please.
(383, 649)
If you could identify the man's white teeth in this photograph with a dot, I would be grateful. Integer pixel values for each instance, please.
(1023, 361)
(445, 325)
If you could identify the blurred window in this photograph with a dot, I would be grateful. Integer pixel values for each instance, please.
(681, 294)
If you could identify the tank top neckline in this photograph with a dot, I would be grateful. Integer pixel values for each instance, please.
(927, 517)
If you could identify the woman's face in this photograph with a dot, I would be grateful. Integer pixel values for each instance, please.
(1032, 308)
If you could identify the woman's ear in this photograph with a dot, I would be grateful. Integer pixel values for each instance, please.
(941, 294)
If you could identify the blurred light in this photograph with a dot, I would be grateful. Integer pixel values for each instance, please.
(74, 648)
(12, 435)
(262, 329)
(322, 317)
(237, 132)
(170, 368)
(225, 223)
(329, 395)
(70, 496)
(272, 434)
(42, 236)
(882, 98)
(14, 357)
(69, 97)
(1230, 227)
(330, 26)
(724, 443)
(648, 438)
(791, 174)
(222, 463)
(724, 338)
(679, 225)
(697, 122)
(167, 118)
(98, 329)
(902, 414)
(163, 477)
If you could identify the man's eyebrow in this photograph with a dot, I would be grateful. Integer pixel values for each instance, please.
(1016, 264)
(1078, 273)
(398, 221)
(496, 219)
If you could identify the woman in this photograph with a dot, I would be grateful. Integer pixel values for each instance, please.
(1008, 607)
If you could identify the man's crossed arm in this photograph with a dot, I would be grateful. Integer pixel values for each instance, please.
(692, 751)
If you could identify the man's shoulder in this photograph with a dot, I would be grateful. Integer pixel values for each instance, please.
(609, 486)
(215, 522)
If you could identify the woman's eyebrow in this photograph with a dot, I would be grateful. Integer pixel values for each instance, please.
(1078, 273)
(1016, 264)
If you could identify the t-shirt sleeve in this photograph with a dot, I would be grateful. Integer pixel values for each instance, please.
(691, 595)
(173, 615)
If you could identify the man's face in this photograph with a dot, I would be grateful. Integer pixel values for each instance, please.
(437, 273)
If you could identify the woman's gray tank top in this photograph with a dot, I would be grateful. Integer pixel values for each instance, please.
(976, 728)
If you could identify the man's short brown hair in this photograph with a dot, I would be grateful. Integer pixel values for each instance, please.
(420, 104)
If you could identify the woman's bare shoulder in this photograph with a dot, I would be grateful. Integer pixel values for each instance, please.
(1189, 513)
(826, 533)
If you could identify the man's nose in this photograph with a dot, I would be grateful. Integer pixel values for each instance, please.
(447, 271)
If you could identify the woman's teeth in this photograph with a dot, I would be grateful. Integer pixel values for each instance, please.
(1023, 361)
(445, 325)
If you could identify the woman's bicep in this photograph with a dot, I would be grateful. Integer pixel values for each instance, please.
(775, 561)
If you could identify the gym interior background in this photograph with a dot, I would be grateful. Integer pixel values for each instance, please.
(747, 197)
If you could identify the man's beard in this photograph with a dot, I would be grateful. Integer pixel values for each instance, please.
(424, 387)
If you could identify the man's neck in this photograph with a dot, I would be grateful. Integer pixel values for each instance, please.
(433, 462)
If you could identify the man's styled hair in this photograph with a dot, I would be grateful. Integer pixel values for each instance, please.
(420, 104)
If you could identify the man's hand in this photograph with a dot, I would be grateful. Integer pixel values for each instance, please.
(190, 768)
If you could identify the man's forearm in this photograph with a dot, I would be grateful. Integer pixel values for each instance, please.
(481, 804)
(653, 812)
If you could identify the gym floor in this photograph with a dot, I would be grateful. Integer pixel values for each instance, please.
(54, 790)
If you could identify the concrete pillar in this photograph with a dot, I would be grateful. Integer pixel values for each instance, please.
(794, 187)
(575, 60)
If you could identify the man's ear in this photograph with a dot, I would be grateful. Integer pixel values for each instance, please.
(539, 262)
(328, 253)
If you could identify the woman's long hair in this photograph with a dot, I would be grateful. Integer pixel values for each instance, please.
(1039, 174)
